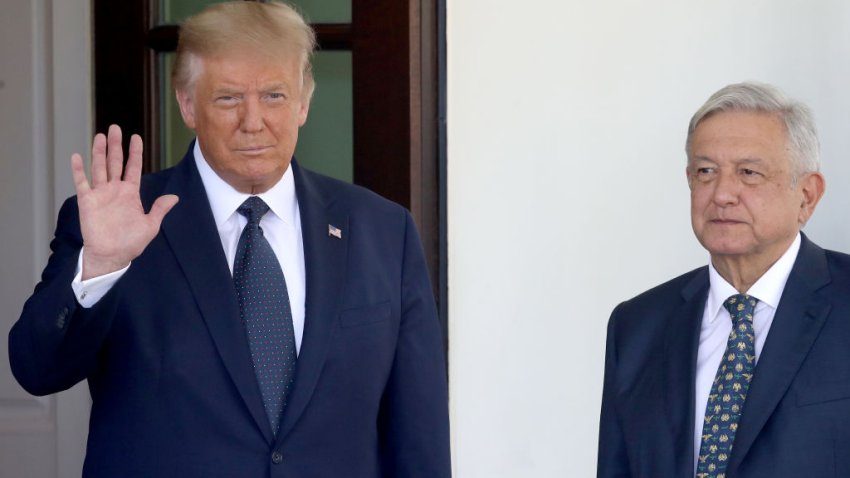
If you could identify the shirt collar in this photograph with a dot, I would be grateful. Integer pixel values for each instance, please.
(224, 199)
(767, 289)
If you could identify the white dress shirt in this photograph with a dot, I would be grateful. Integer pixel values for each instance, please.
(281, 227)
(717, 324)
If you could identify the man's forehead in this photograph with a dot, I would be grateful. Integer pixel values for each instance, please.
(237, 57)
(741, 122)
(735, 161)
(254, 68)
(741, 129)
(741, 138)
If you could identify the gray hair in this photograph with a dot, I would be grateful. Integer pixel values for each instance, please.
(800, 130)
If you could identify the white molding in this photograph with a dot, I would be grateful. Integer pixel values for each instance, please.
(71, 128)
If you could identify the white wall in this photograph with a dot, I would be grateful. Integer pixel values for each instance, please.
(567, 194)
(45, 103)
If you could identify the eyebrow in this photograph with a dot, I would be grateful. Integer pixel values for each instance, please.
(265, 89)
(701, 158)
(226, 91)
(736, 162)
(274, 87)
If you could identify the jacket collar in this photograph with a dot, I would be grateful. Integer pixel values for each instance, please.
(802, 311)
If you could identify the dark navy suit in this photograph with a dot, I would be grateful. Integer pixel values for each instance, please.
(169, 367)
(796, 420)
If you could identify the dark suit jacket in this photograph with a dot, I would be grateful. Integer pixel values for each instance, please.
(796, 420)
(168, 363)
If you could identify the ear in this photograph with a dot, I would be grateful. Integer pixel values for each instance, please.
(812, 187)
(187, 107)
(302, 112)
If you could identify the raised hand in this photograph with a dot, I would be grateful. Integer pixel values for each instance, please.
(114, 224)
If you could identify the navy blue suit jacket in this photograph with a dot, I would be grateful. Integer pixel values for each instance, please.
(796, 420)
(168, 363)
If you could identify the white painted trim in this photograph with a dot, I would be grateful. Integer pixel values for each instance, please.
(71, 132)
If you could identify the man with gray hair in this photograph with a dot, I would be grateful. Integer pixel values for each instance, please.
(740, 368)
(238, 315)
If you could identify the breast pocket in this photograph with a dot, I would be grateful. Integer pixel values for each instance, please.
(365, 315)
(823, 392)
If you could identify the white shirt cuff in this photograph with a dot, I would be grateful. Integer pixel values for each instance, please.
(90, 291)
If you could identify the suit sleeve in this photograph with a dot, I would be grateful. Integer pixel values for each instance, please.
(414, 417)
(55, 343)
(612, 459)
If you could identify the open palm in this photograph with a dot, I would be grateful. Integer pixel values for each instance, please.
(114, 225)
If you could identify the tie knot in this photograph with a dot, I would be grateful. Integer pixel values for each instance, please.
(741, 307)
(253, 208)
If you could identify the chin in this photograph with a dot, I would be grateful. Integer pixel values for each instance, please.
(727, 248)
(724, 245)
(258, 169)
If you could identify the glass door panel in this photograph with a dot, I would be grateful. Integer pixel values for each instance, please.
(325, 142)
(324, 11)
(174, 133)
(175, 11)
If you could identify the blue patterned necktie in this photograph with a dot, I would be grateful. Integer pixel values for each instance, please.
(265, 311)
(729, 390)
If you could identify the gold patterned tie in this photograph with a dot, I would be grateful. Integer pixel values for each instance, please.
(729, 390)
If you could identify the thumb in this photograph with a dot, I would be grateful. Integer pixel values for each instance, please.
(161, 207)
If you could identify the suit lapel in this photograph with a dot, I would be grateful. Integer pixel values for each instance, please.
(798, 320)
(191, 232)
(325, 260)
(681, 343)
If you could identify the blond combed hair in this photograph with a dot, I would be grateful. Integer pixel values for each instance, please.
(274, 29)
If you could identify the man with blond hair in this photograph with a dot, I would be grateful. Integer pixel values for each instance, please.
(238, 315)
(741, 368)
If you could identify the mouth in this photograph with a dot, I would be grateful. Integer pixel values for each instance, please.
(725, 222)
(253, 150)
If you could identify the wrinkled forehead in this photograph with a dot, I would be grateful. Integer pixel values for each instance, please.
(756, 127)
(742, 138)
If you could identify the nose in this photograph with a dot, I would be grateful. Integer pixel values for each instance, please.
(727, 187)
(252, 119)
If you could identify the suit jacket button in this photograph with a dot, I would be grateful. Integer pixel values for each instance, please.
(277, 458)
(60, 321)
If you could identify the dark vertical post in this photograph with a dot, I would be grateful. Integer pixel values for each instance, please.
(383, 87)
(123, 70)
(399, 127)
(396, 125)
(441, 208)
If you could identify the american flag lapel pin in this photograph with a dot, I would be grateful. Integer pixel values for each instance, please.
(334, 231)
